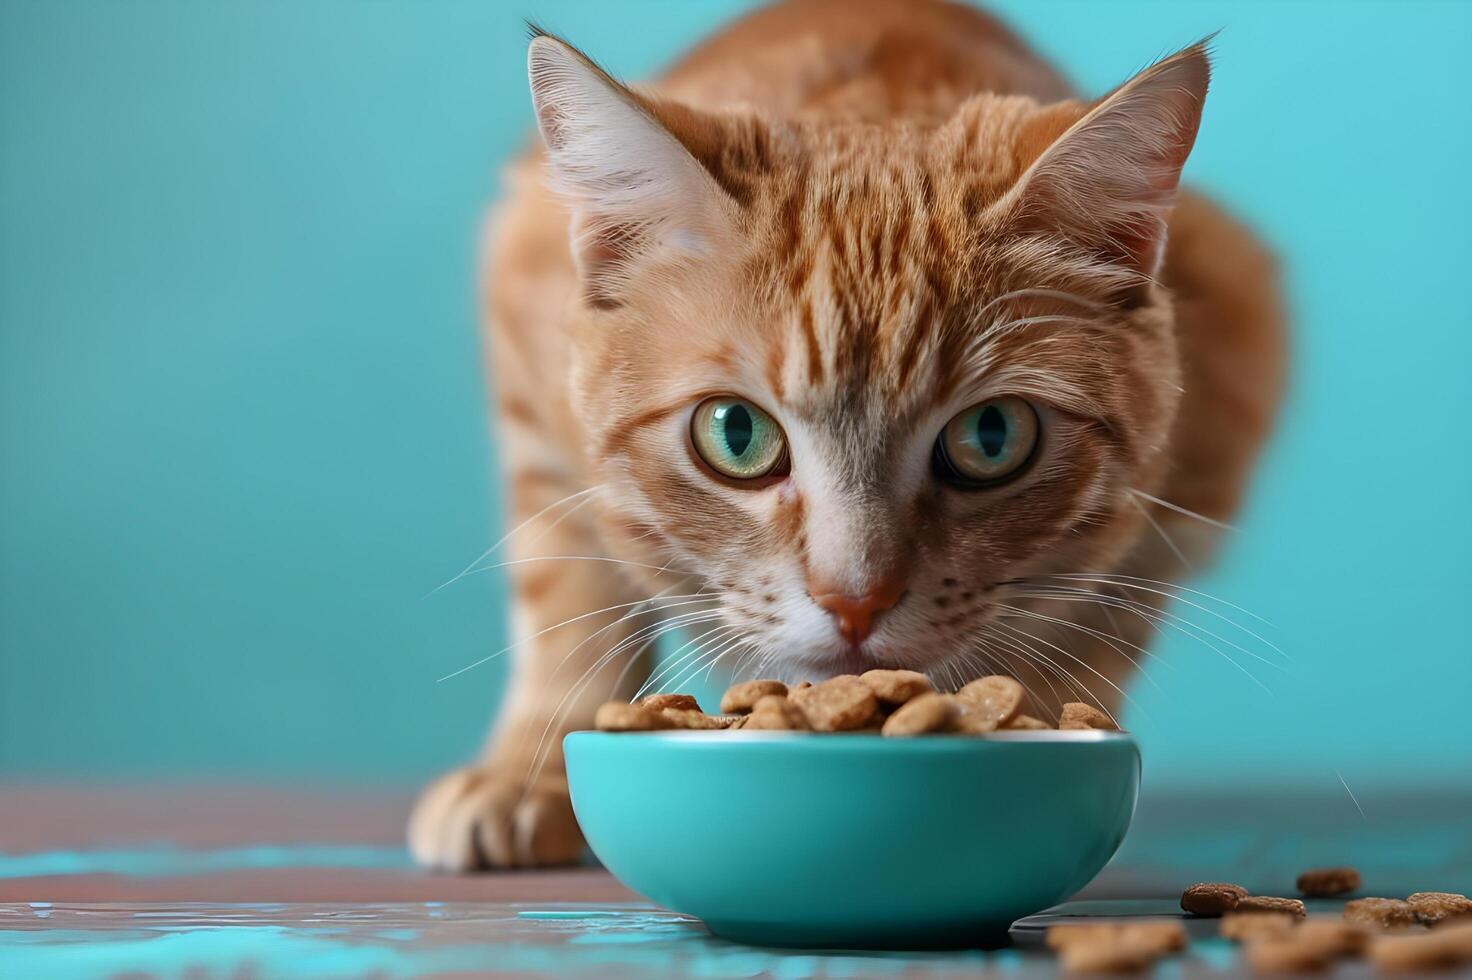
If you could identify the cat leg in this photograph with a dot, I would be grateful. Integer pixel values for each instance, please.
(510, 808)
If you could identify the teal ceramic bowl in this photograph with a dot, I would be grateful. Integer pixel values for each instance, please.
(854, 841)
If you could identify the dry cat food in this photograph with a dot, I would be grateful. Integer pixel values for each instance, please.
(1291, 907)
(1114, 946)
(1212, 898)
(1328, 882)
(1245, 927)
(1437, 949)
(1428, 931)
(897, 703)
(1434, 908)
(1385, 913)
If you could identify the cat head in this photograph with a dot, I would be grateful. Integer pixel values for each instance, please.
(858, 378)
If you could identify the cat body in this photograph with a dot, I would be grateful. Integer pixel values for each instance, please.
(856, 340)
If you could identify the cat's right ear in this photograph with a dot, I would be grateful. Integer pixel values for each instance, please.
(635, 191)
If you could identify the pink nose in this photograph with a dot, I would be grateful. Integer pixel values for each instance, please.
(855, 614)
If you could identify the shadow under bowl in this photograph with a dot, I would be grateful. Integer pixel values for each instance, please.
(854, 841)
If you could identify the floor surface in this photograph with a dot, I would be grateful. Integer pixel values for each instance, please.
(245, 882)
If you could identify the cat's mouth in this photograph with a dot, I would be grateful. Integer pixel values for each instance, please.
(851, 659)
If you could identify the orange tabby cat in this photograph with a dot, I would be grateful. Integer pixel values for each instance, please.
(854, 341)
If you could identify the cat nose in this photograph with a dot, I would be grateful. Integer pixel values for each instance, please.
(855, 614)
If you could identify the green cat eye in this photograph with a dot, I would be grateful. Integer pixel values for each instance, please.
(737, 439)
(988, 442)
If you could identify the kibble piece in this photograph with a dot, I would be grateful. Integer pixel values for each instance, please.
(896, 686)
(991, 702)
(774, 713)
(1161, 935)
(1157, 936)
(1386, 913)
(680, 702)
(1456, 937)
(1246, 927)
(696, 720)
(1077, 715)
(1438, 949)
(923, 715)
(1064, 934)
(741, 698)
(1433, 908)
(1212, 898)
(1026, 723)
(1289, 953)
(1328, 882)
(839, 704)
(1266, 903)
(1346, 938)
(620, 716)
(1114, 955)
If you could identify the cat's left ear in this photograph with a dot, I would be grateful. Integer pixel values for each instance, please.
(635, 190)
(1107, 183)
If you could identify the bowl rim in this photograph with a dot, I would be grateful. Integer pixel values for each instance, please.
(1071, 736)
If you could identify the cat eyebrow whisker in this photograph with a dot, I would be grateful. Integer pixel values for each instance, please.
(997, 329)
(1043, 292)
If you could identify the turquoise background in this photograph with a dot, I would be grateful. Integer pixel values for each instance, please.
(242, 425)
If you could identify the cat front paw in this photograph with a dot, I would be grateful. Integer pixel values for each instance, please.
(484, 817)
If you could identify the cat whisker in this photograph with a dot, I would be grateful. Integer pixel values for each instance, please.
(1042, 674)
(1123, 581)
(1182, 626)
(697, 599)
(985, 667)
(1195, 605)
(685, 600)
(1213, 522)
(1026, 614)
(677, 661)
(1018, 644)
(708, 659)
(647, 636)
(1108, 640)
(1169, 541)
(468, 569)
(594, 558)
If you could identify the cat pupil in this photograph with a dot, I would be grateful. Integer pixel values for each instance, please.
(738, 429)
(991, 431)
